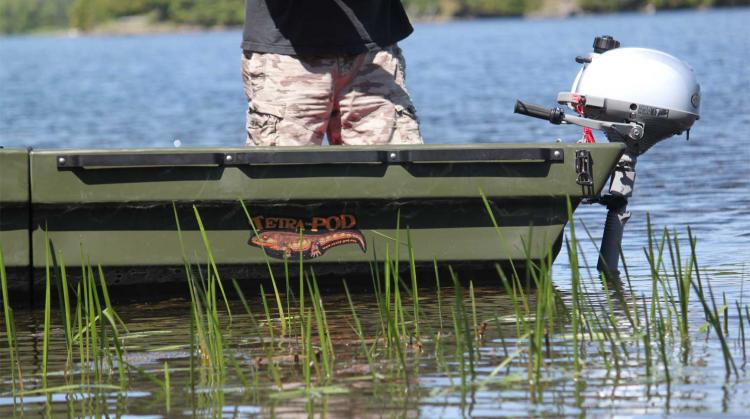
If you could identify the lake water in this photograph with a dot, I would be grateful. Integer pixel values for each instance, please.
(464, 78)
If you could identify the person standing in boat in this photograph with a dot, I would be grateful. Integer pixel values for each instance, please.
(312, 68)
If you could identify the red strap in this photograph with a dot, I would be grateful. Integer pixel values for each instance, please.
(588, 135)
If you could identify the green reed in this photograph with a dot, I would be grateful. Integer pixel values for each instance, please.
(438, 293)
(89, 327)
(254, 329)
(47, 310)
(10, 334)
(327, 354)
(271, 347)
(612, 331)
(606, 328)
(360, 333)
(398, 326)
(575, 287)
(544, 321)
(464, 335)
(209, 329)
(725, 311)
(647, 340)
(474, 322)
(233, 358)
(390, 311)
(711, 312)
(681, 275)
(279, 305)
(167, 388)
(63, 292)
(414, 286)
(207, 334)
(206, 328)
(662, 332)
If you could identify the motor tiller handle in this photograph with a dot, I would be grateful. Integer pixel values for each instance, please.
(553, 115)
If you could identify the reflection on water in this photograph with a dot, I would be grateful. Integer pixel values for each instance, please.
(618, 376)
(465, 77)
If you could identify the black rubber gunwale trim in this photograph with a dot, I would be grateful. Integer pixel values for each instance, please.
(396, 156)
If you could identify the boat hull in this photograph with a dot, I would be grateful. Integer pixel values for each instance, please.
(141, 212)
(15, 217)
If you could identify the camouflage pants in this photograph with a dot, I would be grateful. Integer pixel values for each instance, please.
(354, 100)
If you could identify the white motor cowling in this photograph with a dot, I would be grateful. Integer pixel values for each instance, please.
(647, 87)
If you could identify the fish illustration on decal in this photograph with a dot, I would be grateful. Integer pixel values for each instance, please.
(284, 244)
(280, 236)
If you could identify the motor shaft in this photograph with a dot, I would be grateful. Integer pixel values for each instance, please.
(620, 190)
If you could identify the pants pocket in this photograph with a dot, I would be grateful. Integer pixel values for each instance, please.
(406, 130)
(263, 121)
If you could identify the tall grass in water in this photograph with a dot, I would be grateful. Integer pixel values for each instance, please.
(711, 312)
(14, 365)
(464, 338)
(93, 330)
(279, 305)
(207, 339)
(663, 315)
(551, 338)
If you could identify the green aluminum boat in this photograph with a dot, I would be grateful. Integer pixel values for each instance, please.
(339, 208)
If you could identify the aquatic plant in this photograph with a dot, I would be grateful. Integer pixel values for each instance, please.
(285, 346)
(10, 333)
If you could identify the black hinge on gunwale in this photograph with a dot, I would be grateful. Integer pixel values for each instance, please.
(584, 168)
(78, 161)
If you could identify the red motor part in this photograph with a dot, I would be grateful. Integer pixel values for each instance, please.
(588, 134)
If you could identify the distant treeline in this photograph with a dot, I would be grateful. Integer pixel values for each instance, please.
(30, 15)
(463, 8)
(457, 8)
(616, 5)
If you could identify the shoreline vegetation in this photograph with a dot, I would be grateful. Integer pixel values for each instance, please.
(74, 17)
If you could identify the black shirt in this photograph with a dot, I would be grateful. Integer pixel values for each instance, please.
(318, 27)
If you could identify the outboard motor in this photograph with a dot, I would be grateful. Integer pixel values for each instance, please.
(638, 97)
